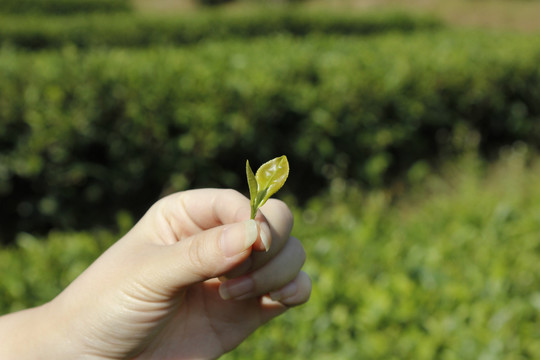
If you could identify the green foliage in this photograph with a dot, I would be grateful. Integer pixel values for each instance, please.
(270, 177)
(449, 271)
(81, 133)
(36, 270)
(452, 272)
(63, 7)
(137, 30)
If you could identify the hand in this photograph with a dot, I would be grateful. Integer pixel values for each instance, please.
(156, 293)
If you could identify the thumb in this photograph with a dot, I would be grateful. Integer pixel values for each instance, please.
(208, 254)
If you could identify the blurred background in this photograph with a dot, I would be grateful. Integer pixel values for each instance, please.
(412, 129)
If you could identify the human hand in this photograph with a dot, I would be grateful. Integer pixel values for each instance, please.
(155, 294)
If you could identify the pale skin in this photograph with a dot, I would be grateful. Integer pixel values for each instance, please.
(191, 280)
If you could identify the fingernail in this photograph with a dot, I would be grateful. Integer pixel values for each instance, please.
(252, 232)
(236, 288)
(265, 235)
(285, 292)
(238, 238)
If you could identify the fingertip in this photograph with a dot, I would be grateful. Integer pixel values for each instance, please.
(264, 240)
(233, 243)
(287, 291)
(279, 206)
(279, 215)
(265, 235)
(295, 293)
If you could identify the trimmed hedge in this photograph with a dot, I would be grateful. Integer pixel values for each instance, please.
(83, 135)
(63, 7)
(38, 32)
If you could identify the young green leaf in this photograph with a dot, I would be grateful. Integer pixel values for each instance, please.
(252, 183)
(269, 178)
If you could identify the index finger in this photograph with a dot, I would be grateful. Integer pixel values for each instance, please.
(193, 211)
(187, 213)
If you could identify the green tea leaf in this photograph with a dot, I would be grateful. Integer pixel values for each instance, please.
(252, 183)
(271, 176)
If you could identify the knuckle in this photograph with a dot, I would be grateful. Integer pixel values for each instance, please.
(232, 193)
(196, 255)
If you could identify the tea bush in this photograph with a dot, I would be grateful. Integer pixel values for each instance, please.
(63, 7)
(138, 30)
(81, 133)
(37, 269)
(449, 271)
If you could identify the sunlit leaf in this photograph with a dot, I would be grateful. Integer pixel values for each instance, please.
(269, 178)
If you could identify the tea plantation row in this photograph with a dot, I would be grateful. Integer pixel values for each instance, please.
(138, 30)
(64, 6)
(452, 272)
(81, 133)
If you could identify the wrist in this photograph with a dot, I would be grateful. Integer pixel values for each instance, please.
(33, 333)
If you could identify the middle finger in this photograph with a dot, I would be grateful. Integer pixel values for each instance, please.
(275, 274)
